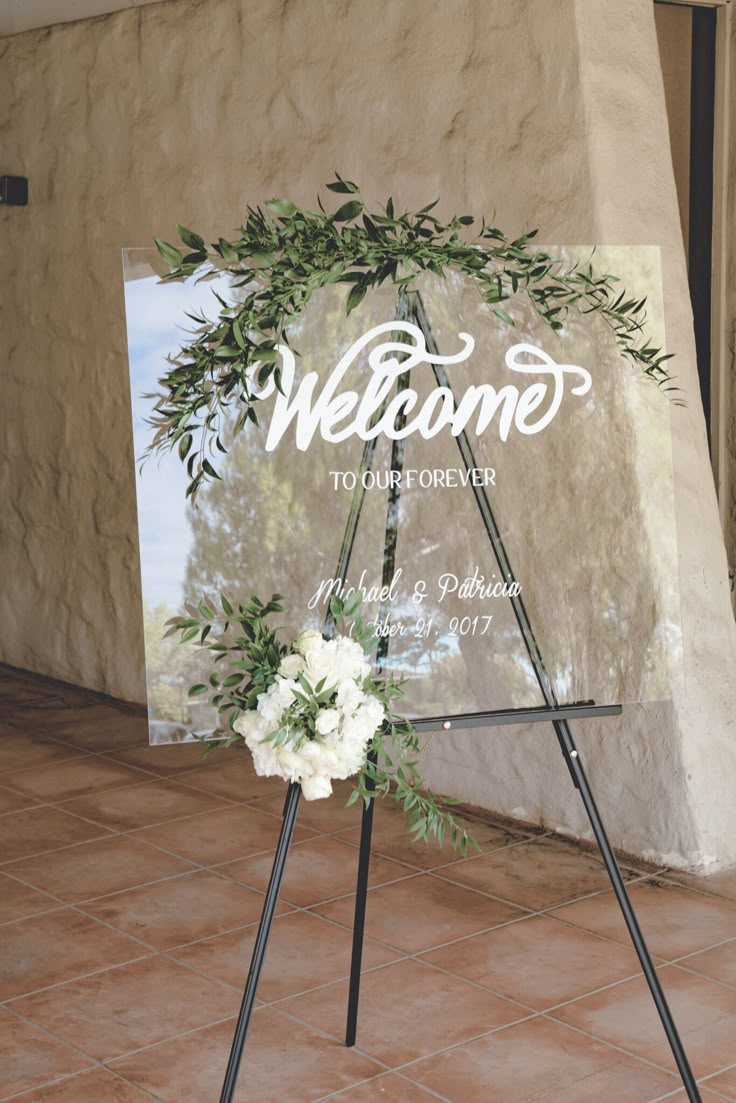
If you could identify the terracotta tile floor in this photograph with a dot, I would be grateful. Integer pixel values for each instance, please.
(131, 882)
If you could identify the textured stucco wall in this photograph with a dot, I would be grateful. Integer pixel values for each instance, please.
(550, 110)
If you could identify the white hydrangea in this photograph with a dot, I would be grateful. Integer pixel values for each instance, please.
(345, 725)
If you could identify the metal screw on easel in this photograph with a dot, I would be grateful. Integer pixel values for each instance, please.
(446, 727)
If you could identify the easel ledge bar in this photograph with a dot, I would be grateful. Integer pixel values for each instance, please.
(516, 716)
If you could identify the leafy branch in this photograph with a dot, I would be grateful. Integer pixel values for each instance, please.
(245, 652)
(284, 253)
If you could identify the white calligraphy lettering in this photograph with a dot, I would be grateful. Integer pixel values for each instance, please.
(338, 416)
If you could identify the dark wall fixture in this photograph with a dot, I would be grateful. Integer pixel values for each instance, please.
(702, 116)
(14, 191)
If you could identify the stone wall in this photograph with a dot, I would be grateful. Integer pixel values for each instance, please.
(552, 113)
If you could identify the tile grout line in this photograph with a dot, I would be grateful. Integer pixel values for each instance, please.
(111, 1062)
(8, 1003)
(335, 1096)
(611, 1045)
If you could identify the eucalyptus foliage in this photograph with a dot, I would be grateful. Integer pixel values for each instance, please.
(246, 654)
(284, 253)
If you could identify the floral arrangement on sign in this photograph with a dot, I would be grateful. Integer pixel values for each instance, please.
(318, 717)
(315, 710)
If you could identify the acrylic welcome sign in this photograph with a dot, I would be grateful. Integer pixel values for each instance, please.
(405, 443)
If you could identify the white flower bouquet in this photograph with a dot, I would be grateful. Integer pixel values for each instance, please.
(317, 718)
(314, 711)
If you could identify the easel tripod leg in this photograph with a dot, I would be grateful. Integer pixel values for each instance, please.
(291, 807)
(361, 897)
(580, 780)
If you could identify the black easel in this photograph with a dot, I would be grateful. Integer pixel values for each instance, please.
(411, 308)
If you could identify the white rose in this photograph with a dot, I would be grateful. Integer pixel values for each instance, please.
(306, 640)
(327, 720)
(320, 664)
(316, 786)
(310, 750)
(291, 666)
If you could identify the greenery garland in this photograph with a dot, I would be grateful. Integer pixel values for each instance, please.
(285, 253)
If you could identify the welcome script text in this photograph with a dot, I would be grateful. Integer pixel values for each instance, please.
(338, 414)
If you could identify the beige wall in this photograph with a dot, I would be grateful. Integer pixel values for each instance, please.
(551, 111)
(674, 33)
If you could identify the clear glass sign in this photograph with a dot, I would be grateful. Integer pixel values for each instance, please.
(454, 467)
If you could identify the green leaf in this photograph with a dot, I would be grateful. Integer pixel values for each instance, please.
(238, 334)
(184, 445)
(198, 690)
(349, 210)
(336, 606)
(504, 316)
(356, 296)
(343, 186)
(194, 241)
(228, 252)
(168, 253)
(353, 603)
(283, 207)
(226, 606)
(209, 469)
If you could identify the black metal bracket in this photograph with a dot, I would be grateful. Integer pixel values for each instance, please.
(532, 715)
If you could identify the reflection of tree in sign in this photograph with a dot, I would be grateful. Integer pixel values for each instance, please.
(574, 509)
(275, 522)
(170, 671)
(254, 528)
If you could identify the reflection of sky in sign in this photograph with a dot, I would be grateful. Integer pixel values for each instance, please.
(155, 315)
